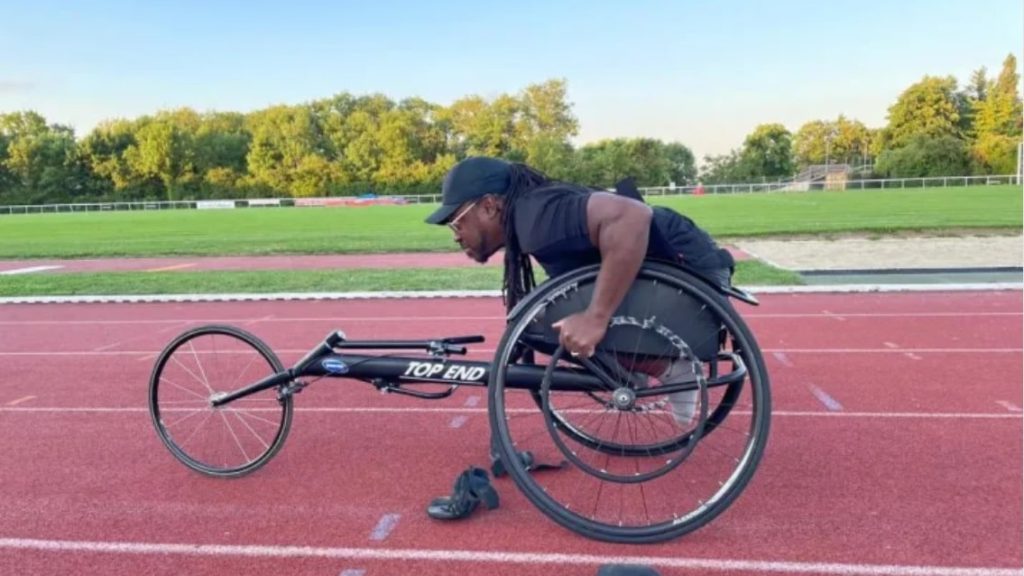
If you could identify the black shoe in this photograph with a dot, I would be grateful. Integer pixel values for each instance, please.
(471, 487)
(529, 462)
(498, 465)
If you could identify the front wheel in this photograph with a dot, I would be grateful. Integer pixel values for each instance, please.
(195, 368)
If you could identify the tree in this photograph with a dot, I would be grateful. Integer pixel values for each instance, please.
(650, 162)
(997, 123)
(39, 161)
(725, 168)
(923, 157)
(681, 167)
(545, 114)
(841, 141)
(927, 108)
(162, 152)
(768, 151)
(282, 138)
(977, 88)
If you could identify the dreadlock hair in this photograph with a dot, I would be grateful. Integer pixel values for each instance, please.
(519, 279)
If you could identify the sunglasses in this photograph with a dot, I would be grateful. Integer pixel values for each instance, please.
(453, 224)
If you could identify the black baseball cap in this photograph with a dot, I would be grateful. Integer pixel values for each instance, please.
(470, 179)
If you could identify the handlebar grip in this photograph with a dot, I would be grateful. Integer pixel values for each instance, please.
(464, 340)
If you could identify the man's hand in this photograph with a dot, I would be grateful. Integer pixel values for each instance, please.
(580, 333)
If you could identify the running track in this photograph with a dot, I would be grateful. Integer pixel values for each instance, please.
(896, 449)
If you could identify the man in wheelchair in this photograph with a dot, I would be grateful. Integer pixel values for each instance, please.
(491, 204)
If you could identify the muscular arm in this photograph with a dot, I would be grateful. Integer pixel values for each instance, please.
(619, 228)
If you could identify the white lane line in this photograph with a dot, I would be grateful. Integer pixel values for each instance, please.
(367, 410)
(781, 357)
(477, 351)
(486, 294)
(829, 402)
(384, 527)
(379, 319)
(29, 270)
(495, 557)
(1009, 406)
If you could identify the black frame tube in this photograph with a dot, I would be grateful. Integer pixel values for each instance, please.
(323, 361)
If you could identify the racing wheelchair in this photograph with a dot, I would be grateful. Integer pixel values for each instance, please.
(658, 432)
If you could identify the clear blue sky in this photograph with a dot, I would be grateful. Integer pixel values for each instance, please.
(703, 73)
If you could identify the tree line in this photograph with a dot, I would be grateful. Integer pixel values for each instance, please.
(935, 128)
(354, 144)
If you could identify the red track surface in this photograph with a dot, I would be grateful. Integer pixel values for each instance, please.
(185, 263)
(921, 466)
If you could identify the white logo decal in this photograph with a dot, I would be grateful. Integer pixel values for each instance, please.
(454, 371)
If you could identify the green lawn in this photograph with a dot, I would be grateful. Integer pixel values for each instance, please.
(484, 278)
(401, 228)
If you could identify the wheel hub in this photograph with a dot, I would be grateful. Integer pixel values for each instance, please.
(215, 397)
(623, 398)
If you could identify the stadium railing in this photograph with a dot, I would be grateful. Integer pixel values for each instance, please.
(744, 188)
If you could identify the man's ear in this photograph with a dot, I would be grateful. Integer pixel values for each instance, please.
(493, 205)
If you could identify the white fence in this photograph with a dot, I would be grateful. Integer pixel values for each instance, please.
(748, 188)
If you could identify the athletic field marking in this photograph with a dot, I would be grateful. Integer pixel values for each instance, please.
(1009, 406)
(834, 316)
(890, 345)
(108, 346)
(830, 403)
(28, 270)
(384, 527)
(458, 421)
(353, 572)
(173, 267)
(488, 557)
(457, 410)
(20, 400)
(912, 356)
(472, 401)
(781, 357)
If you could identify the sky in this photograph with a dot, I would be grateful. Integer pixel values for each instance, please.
(700, 73)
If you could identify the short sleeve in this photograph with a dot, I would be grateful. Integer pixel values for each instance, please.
(550, 216)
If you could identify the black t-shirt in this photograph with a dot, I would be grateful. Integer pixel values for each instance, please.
(551, 226)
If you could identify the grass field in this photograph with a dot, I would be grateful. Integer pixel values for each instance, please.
(489, 278)
(401, 228)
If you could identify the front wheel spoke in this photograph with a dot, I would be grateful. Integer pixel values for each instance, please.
(183, 418)
(246, 424)
(183, 389)
(198, 428)
(233, 435)
(193, 374)
(248, 414)
(200, 365)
